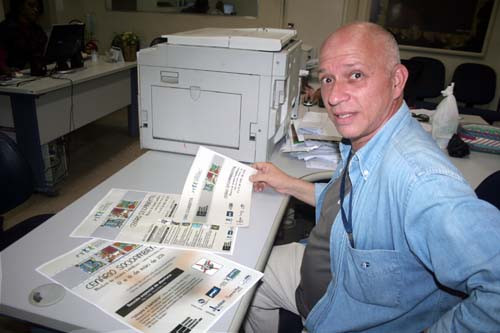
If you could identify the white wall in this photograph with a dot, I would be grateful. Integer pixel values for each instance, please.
(242, 7)
(314, 20)
(63, 11)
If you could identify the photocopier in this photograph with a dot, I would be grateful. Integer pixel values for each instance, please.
(231, 90)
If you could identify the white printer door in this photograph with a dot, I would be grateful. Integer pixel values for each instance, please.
(189, 108)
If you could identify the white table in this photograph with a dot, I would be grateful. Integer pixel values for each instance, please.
(47, 108)
(474, 167)
(159, 172)
(477, 166)
(153, 171)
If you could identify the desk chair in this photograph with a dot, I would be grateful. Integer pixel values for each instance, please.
(16, 186)
(475, 84)
(430, 80)
(414, 70)
(488, 189)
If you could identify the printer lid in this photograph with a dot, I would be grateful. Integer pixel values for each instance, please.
(260, 39)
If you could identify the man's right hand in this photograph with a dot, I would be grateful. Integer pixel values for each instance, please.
(268, 175)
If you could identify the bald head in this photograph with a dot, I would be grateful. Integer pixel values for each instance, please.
(370, 34)
(362, 80)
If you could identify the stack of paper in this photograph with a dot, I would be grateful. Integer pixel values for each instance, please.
(317, 125)
(314, 139)
(326, 155)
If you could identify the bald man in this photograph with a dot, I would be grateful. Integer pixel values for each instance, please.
(401, 242)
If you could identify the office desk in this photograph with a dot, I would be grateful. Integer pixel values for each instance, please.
(159, 172)
(47, 108)
(477, 166)
(153, 171)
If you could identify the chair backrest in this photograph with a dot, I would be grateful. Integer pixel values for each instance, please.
(431, 77)
(475, 84)
(488, 189)
(16, 181)
(414, 69)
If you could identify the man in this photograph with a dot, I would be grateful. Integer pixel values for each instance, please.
(22, 39)
(401, 243)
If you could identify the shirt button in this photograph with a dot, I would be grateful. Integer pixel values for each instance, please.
(366, 173)
(365, 264)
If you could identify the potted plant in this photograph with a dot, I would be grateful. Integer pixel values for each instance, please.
(129, 43)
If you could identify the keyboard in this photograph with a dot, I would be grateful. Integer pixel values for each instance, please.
(13, 81)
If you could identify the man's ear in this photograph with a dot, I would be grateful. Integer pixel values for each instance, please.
(399, 77)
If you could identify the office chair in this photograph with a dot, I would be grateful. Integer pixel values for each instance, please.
(414, 69)
(475, 84)
(488, 189)
(430, 80)
(16, 186)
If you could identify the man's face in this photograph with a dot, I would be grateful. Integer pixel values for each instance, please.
(30, 10)
(357, 86)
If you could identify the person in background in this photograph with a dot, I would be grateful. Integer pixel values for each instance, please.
(22, 39)
(401, 242)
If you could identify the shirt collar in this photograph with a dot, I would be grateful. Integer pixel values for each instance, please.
(372, 151)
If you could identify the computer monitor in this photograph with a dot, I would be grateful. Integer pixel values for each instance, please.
(65, 45)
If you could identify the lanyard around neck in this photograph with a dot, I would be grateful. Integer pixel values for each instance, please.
(347, 221)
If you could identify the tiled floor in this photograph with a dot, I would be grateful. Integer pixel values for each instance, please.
(96, 152)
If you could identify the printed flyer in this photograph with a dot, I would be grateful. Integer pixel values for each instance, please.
(152, 289)
(146, 218)
(217, 191)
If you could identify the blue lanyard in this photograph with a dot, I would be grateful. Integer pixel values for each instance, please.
(346, 221)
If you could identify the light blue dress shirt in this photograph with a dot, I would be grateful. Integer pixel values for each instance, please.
(421, 239)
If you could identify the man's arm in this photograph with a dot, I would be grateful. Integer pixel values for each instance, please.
(457, 237)
(269, 175)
